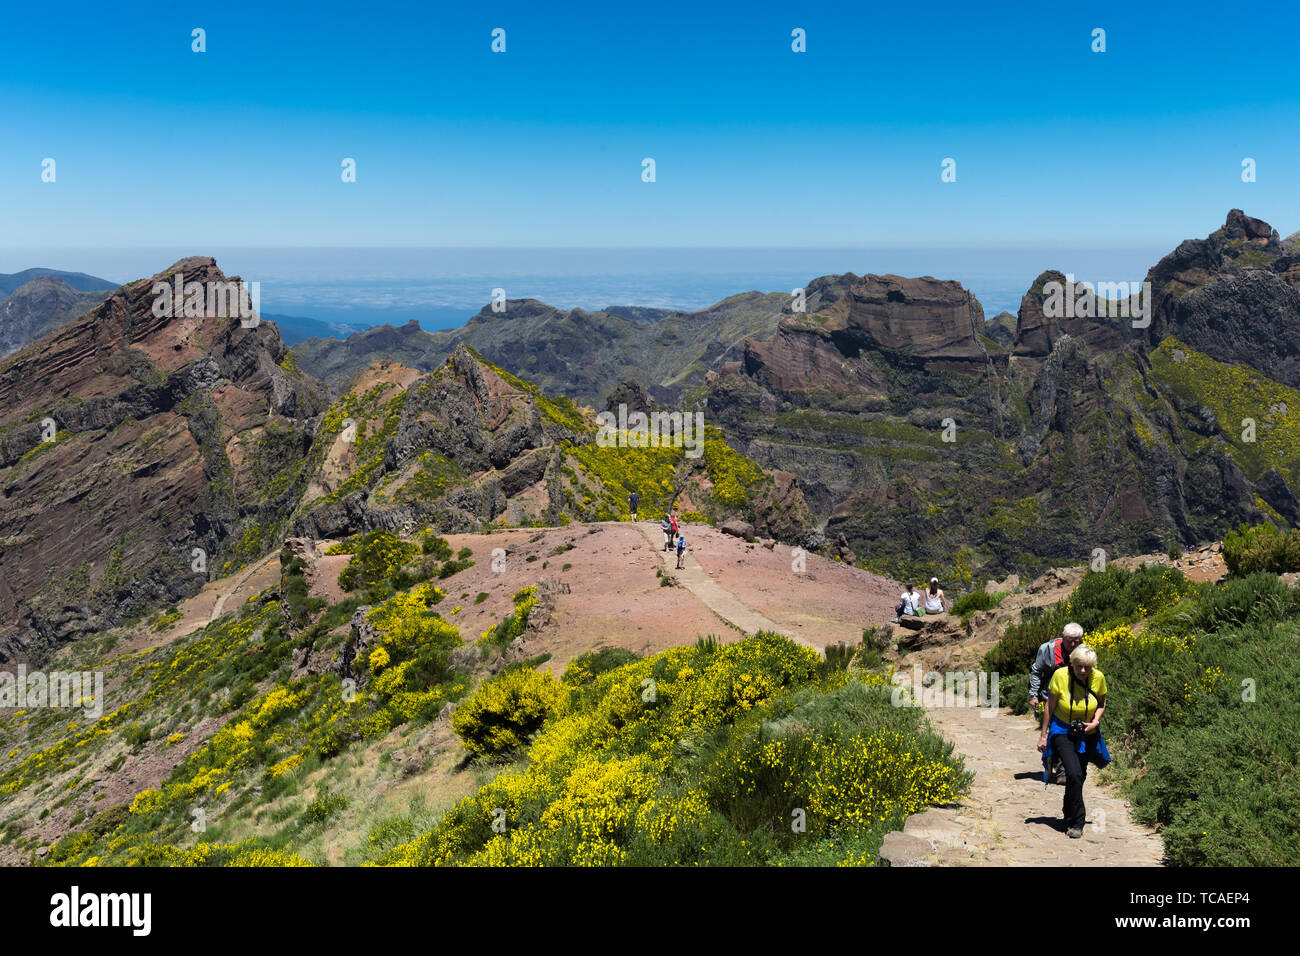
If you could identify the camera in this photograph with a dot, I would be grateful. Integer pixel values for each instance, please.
(1076, 726)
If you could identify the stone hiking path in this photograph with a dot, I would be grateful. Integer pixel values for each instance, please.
(714, 596)
(1010, 818)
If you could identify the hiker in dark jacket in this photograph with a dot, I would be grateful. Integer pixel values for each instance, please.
(632, 501)
(1052, 655)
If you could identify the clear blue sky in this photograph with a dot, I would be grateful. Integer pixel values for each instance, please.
(542, 146)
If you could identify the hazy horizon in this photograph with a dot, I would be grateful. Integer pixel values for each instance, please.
(441, 286)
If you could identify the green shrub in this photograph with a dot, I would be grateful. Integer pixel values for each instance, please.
(499, 637)
(1255, 599)
(968, 604)
(505, 712)
(378, 555)
(1261, 548)
(585, 668)
(838, 657)
(435, 546)
(323, 807)
(453, 567)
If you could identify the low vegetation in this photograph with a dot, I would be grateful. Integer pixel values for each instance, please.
(1261, 548)
(745, 753)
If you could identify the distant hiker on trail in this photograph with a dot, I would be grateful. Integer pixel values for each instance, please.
(936, 602)
(1076, 699)
(632, 501)
(909, 605)
(666, 526)
(672, 520)
(1051, 655)
(681, 550)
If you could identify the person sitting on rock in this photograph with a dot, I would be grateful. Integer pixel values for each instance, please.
(1076, 699)
(909, 605)
(936, 602)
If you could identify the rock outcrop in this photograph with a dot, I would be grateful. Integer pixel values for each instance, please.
(135, 448)
(1234, 296)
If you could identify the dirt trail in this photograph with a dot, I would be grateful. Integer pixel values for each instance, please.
(717, 598)
(219, 605)
(1010, 818)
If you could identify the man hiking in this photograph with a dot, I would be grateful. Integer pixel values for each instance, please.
(665, 525)
(632, 501)
(681, 550)
(672, 520)
(1052, 655)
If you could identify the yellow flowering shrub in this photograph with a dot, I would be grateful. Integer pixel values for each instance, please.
(505, 711)
(617, 773)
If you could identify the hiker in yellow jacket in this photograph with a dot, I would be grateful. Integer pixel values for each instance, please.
(1076, 699)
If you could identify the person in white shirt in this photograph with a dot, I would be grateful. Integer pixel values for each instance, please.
(910, 603)
(936, 602)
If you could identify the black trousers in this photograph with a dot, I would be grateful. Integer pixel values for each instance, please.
(1076, 771)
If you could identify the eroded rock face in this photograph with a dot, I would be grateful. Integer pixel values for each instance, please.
(631, 395)
(167, 428)
(1235, 296)
(1037, 331)
(926, 322)
(915, 447)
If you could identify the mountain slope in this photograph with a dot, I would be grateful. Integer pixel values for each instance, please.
(126, 441)
(78, 281)
(934, 450)
(579, 353)
(38, 308)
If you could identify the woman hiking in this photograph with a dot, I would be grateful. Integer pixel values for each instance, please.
(1076, 699)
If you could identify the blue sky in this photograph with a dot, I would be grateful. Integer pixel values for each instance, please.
(542, 146)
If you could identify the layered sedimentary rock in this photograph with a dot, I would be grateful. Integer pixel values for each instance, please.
(129, 438)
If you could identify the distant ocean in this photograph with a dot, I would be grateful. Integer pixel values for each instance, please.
(441, 288)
